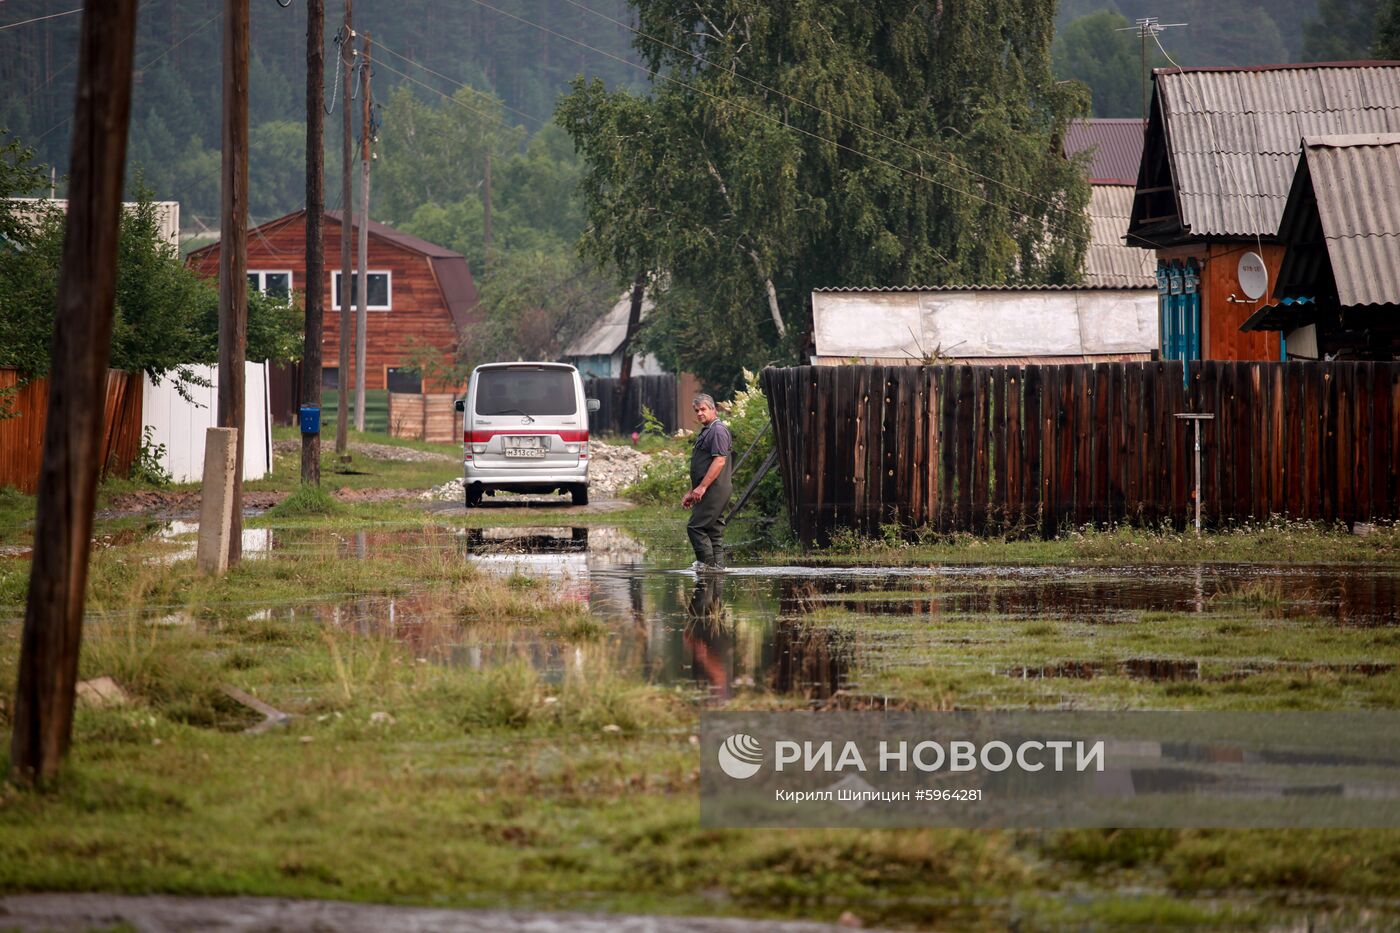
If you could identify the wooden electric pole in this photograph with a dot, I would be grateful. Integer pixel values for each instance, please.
(362, 274)
(347, 61)
(233, 250)
(315, 256)
(53, 619)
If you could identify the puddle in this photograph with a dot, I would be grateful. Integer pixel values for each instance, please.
(257, 542)
(804, 631)
(1162, 670)
(1363, 597)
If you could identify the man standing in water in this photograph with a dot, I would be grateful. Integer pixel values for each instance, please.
(710, 470)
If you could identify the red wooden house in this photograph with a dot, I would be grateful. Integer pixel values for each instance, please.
(1218, 161)
(420, 296)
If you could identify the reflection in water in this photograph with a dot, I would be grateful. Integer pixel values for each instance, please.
(1361, 597)
(708, 639)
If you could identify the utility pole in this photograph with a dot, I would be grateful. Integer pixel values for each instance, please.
(53, 618)
(347, 61)
(1147, 28)
(315, 256)
(233, 249)
(362, 274)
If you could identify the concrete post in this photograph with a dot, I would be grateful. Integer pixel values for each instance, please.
(216, 499)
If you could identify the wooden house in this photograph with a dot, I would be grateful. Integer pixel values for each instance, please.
(1337, 294)
(1218, 159)
(421, 296)
(598, 352)
(1114, 149)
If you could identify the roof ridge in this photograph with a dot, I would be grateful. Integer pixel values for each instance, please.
(1281, 66)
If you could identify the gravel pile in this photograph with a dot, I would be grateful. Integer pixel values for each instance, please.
(613, 468)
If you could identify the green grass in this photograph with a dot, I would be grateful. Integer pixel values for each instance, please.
(498, 789)
(1275, 542)
(505, 787)
(305, 502)
(16, 512)
(362, 472)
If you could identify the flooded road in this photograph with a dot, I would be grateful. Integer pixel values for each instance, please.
(807, 631)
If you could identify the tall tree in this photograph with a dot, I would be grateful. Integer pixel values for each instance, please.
(1387, 42)
(789, 147)
(1343, 30)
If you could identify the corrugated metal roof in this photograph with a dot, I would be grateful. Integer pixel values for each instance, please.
(1108, 263)
(1116, 147)
(1233, 134)
(966, 288)
(605, 337)
(406, 240)
(1356, 180)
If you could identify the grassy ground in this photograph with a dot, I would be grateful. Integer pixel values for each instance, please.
(410, 782)
(1274, 542)
(406, 779)
(16, 512)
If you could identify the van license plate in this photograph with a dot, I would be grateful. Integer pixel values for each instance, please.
(524, 452)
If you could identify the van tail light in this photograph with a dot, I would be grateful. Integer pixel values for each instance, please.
(478, 448)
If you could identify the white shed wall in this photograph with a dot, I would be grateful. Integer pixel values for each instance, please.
(180, 424)
(984, 323)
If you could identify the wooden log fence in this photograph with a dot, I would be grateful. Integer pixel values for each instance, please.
(1038, 449)
(24, 407)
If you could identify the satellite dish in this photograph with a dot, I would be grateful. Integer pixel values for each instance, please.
(1253, 276)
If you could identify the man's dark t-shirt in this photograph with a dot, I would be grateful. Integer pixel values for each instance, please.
(713, 441)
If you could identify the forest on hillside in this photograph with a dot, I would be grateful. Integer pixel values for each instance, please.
(175, 107)
(522, 53)
(615, 156)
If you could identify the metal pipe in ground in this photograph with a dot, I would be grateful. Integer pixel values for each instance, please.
(1196, 420)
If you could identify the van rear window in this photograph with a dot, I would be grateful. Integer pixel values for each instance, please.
(525, 391)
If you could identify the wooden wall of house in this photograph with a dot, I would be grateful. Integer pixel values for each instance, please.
(419, 314)
(1221, 318)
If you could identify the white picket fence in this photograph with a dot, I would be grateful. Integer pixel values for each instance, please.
(179, 424)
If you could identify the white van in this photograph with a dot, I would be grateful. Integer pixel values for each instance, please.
(525, 429)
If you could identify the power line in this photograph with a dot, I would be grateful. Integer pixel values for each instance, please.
(40, 19)
(481, 113)
(456, 83)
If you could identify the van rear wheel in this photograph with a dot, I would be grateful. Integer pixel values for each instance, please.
(580, 494)
(474, 493)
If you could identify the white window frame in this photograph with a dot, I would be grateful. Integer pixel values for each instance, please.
(388, 288)
(262, 275)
